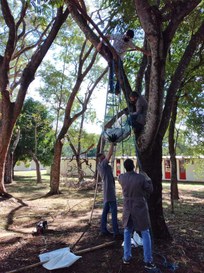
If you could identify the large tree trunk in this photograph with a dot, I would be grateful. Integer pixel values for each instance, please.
(2, 186)
(8, 176)
(6, 128)
(152, 164)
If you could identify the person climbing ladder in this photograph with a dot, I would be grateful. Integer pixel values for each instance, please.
(121, 43)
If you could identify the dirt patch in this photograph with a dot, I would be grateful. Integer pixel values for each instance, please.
(68, 216)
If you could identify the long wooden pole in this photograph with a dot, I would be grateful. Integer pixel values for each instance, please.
(26, 267)
(79, 252)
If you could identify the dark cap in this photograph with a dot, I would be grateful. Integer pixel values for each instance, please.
(99, 155)
(130, 33)
(134, 94)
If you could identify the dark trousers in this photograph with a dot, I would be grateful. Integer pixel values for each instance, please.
(138, 127)
(114, 83)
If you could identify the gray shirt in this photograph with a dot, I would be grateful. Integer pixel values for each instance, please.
(106, 174)
(120, 45)
(135, 187)
(141, 110)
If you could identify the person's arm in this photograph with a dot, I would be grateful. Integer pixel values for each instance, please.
(98, 48)
(143, 51)
(147, 186)
(110, 152)
(138, 106)
(137, 48)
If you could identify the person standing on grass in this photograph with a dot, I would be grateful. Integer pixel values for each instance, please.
(135, 188)
(109, 194)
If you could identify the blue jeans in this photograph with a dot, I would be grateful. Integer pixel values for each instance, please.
(114, 88)
(147, 245)
(109, 206)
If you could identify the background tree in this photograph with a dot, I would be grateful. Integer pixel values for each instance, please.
(81, 143)
(75, 79)
(37, 135)
(69, 117)
(187, 110)
(27, 38)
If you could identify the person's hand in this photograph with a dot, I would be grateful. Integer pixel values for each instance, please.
(99, 46)
(133, 115)
(112, 138)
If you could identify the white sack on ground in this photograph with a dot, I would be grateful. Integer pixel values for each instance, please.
(133, 243)
(59, 258)
(136, 240)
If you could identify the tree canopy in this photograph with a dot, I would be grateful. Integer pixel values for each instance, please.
(36, 133)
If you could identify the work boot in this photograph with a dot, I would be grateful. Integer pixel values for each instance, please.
(127, 262)
(150, 266)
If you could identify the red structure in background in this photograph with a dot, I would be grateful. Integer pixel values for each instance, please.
(181, 166)
(167, 169)
(182, 169)
(118, 169)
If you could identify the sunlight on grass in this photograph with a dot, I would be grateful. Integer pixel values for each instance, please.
(29, 205)
(73, 201)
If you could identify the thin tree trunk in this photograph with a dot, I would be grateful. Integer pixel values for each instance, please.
(9, 166)
(172, 152)
(38, 172)
(79, 169)
(55, 169)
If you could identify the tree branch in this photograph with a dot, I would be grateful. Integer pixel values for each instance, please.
(36, 59)
(195, 41)
(180, 10)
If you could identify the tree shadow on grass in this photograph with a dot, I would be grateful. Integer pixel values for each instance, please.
(12, 213)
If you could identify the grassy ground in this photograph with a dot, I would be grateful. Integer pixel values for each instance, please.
(68, 215)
